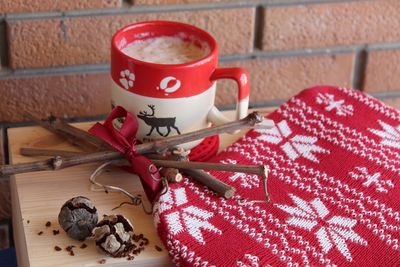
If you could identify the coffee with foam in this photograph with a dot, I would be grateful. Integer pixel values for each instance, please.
(166, 50)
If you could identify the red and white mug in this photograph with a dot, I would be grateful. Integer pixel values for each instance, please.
(171, 99)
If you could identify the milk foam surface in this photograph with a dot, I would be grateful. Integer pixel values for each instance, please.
(165, 50)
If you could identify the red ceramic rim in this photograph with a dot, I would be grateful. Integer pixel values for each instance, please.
(180, 27)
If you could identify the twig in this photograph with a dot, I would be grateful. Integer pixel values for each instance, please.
(63, 162)
(58, 127)
(193, 169)
(261, 170)
(33, 152)
(152, 147)
(171, 174)
(252, 120)
(219, 187)
(216, 185)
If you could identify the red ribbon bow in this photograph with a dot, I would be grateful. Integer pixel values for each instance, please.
(125, 141)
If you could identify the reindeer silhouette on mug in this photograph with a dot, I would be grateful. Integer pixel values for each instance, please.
(156, 123)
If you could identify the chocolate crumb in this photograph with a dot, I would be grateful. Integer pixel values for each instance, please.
(71, 253)
(40, 233)
(130, 258)
(56, 232)
(102, 261)
(136, 238)
(48, 224)
(158, 248)
(57, 248)
(146, 241)
(69, 248)
(28, 221)
(83, 245)
(141, 244)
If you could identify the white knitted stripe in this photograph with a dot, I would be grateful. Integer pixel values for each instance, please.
(366, 141)
(337, 127)
(343, 137)
(372, 103)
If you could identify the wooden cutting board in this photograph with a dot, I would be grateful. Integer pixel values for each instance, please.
(37, 198)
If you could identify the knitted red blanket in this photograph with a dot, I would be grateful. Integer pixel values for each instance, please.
(334, 157)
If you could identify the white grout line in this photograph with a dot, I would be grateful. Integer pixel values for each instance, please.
(167, 8)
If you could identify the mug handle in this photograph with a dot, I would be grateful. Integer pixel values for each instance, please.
(242, 79)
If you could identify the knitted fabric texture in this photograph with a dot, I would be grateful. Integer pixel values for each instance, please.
(334, 159)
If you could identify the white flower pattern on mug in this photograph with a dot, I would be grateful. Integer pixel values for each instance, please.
(127, 79)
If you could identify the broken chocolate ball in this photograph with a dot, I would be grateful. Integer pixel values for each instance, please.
(113, 236)
(78, 217)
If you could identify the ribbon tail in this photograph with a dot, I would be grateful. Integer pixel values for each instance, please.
(151, 183)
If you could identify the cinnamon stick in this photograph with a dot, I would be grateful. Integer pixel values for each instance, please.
(156, 146)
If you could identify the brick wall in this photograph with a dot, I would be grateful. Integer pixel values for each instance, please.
(54, 54)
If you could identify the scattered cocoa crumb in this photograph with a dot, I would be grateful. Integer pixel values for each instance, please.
(137, 238)
(141, 244)
(102, 261)
(28, 221)
(69, 248)
(40, 233)
(130, 258)
(57, 248)
(48, 224)
(146, 241)
(158, 248)
(83, 245)
(56, 232)
(137, 251)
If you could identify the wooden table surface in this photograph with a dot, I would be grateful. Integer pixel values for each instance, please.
(37, 198)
